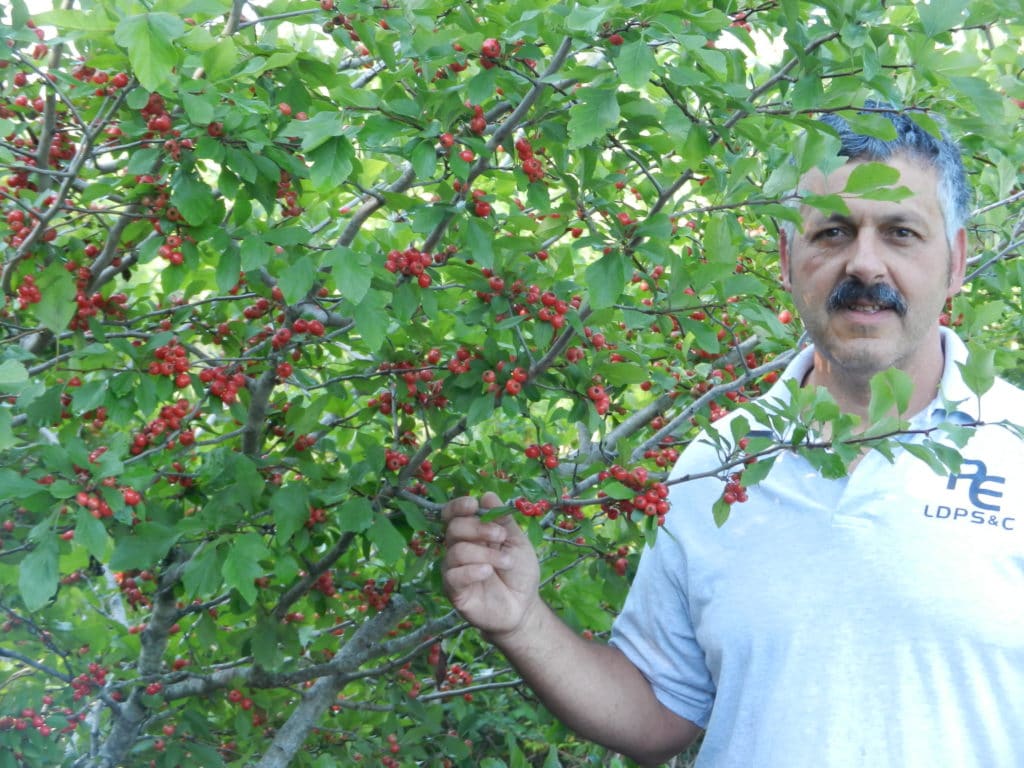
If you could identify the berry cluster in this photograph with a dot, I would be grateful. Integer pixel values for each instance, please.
(378, 595)
(128, 583)
(406, 674)
(531, 508)
(457, 677)
(96, 504)
(734, 490)
(532, 167)
(288, 195)
(83, 684)
(171, 360)
(28, 292)
(662, 457)
(545, 454)
(478, 123)
(411, 262)
(224, 383)
(170, 419)
(651, 498)
(158, 120)
(108, 84)
(599, 398)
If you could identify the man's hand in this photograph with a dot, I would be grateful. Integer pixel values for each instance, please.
(491, 573)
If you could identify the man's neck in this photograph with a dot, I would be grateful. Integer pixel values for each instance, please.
(852, 390)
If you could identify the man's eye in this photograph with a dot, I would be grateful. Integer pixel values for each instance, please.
(902, 232)
(831, 233)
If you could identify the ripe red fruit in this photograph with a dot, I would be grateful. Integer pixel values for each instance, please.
(446, 140)
(482, 208)
(160, 123)
(285, 109)
(131, 496)
(490, 48)
(467, 155)
(785, 317)
(615, 39)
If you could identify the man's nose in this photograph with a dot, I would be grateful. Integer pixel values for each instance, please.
(866, 260)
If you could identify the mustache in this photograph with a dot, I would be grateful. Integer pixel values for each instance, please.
(852, 291)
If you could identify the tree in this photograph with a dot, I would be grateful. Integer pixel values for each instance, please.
(281, 278)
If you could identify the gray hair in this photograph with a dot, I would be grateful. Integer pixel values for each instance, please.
(942, 154)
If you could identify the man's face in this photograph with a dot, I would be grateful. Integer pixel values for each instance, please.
(870, 285)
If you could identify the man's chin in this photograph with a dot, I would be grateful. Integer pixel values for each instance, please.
(860, 357)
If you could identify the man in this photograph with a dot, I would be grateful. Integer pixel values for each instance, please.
(874, 620)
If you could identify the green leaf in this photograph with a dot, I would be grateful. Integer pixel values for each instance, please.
(594, 116)
(192, 197)
(58, 290)
(91, 534)
(979, 369)
(867, 177)
(606, 278)
(203, 573)
(331, 163)
(297, 279)
(758, 471)
(371, 318)
(38, 574)
(928, 456)
(318, 130)
(941, 15)
(144, 547)
(7, 438)
(241, 566)
(586, 19)
(636, 63)
(352, 271)
(424, 159)
(89, 395)
(198, 107)
(552, 760)
(220, 60)
(720, 511)
(290, 506)
(890, 394)
(13, 376)
(481, 243)
(148, 39)
(355, 515)
(389, 542)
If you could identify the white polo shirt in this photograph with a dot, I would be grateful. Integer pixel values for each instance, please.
(867, 622)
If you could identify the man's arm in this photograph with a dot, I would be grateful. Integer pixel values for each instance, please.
(492, 576)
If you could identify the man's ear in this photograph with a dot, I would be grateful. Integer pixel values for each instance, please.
(784, 259)
(957, 262)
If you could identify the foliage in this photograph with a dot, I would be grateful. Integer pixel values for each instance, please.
(280, 278)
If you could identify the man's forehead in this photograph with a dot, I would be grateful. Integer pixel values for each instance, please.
(920, 178)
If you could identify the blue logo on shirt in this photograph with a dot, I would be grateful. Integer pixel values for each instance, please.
(978, 478)
(983, 491)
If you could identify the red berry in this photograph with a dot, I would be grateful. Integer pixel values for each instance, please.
(490, 48)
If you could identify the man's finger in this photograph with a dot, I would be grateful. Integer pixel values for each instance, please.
(464, 506)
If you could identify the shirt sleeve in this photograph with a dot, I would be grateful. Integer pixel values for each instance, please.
(657, 635)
